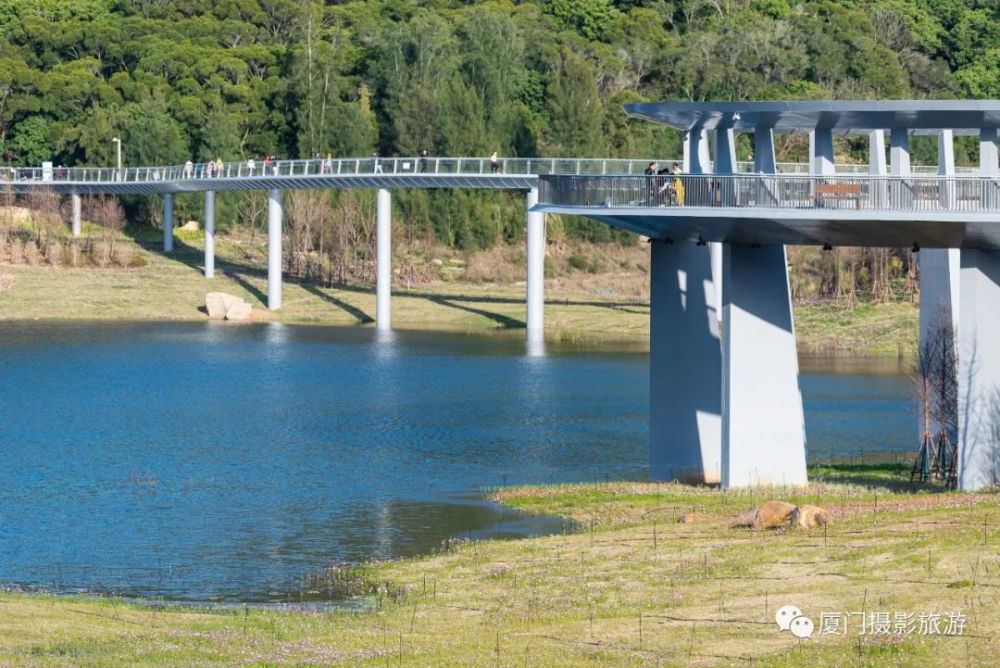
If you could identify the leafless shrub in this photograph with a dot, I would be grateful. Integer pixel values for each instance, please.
(122, 254)
(16, 251)
(43, 212)
(6, 281)
(54, 253)
(101, 253)
(936, 383)
(32, 256)
(74, 253)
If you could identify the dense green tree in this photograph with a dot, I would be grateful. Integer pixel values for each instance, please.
(202, 79)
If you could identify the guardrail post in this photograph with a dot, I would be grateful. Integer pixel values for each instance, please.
(383, 259)
(168, 223)
(209, 234)
(535, 283)
(274, 249)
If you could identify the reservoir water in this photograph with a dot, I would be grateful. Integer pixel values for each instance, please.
(203, 461)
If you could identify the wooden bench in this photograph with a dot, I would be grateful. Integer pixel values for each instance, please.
(839, 191)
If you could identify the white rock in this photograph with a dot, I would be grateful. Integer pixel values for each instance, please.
(239, 311)
(215, 304)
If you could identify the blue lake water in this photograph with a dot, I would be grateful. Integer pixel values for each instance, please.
(206, 461)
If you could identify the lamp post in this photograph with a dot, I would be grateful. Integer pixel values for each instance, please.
(118, 146)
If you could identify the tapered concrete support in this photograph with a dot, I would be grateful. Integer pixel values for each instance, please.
(821, 156)
(946, 167)
(725, 163)
(876, 153)
(979, 371)
(685, 390)
(899, 152)
(763, 151)
(383, 259)
(535, 286)
(209, 234)
(168, 223)
(76, 206)
(763, 428)
(988, 152)
(877, 166)
(725, 151)
(274, 250)
(696, 155)
(939, 274)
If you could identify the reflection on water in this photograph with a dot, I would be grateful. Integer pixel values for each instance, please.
(207, 461)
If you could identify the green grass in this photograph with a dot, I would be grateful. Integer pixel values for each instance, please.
(706, 593)
(889, 328)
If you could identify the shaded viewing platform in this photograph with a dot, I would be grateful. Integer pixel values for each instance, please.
(725, 403)
(717, 200)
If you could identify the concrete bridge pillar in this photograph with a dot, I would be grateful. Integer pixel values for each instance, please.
(939, 267)
(988, 152)
(209, 234)
(685, 391)
(899, 152)
(76, 206)
(696, 156)
(274, 249)
(877, 166)
(821, 155)
(168, 223)
(979, 370)
(383, 259)
(535, 279)
(763, 428)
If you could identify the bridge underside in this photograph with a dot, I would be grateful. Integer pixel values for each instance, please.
(838, 227)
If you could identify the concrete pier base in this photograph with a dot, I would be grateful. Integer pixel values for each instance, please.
(535, 281)
(684, 365)
(168, 223)
(274, 250)
(209, 234)
(763, 427)
(383, 259)
(76, 206)
(979, 370)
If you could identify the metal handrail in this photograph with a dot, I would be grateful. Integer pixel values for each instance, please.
(369, 166)
(953, 194)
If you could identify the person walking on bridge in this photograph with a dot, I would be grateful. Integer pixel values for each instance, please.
(188, 169)
(494, 163)
(251, 165)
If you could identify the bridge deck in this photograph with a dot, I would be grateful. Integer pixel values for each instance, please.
(945, 212)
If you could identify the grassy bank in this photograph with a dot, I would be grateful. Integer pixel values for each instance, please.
(630, 587)
(592, 293)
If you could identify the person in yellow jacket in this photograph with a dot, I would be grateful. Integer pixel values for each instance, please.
(678, 185)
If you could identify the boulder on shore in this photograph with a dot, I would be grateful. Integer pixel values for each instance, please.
(190, 226)
(239, 311)
(224, 306)
(809, 517)
(215, 304)
(770, 515)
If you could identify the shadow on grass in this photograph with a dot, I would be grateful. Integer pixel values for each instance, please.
(152, 242)
(889, 475)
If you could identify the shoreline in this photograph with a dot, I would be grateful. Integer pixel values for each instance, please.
(576, 598)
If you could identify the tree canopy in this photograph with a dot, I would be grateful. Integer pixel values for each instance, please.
(230, 79)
